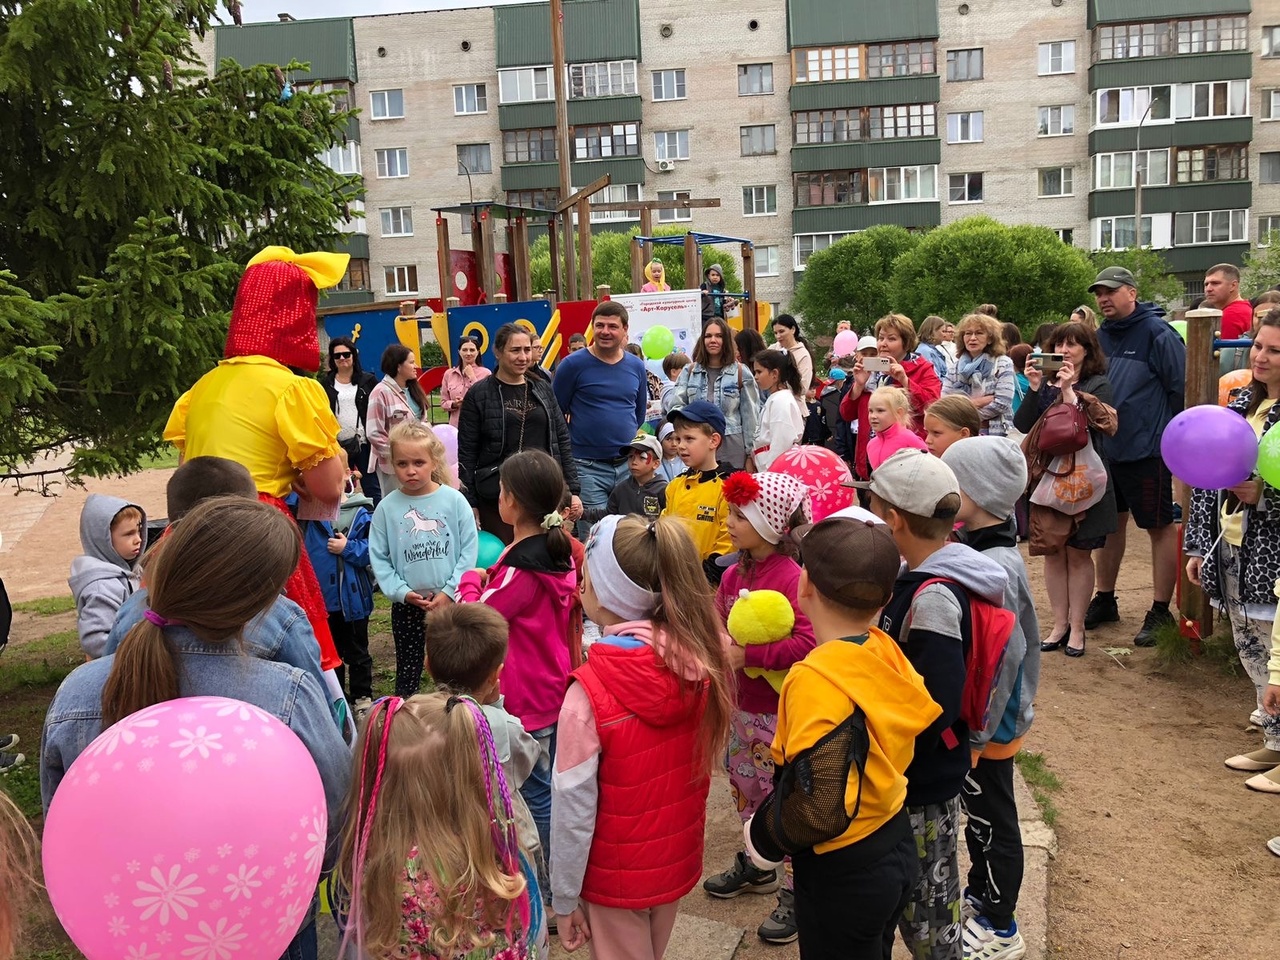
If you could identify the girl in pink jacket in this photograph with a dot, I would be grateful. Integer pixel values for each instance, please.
(889, 414)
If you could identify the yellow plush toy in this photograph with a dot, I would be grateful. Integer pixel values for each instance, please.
(762, 616)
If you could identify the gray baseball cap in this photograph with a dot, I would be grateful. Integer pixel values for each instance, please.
(1113, 278)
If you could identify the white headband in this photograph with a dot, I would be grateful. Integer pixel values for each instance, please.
(617, 592)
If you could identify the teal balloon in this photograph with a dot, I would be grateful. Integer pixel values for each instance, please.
(1269, 458)
(1181, 327)
(490, 550)
(657, 342)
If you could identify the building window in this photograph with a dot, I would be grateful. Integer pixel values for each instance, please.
(1116, 233)
(474, 158)
(1271, 41)
(616, 193)
(830, 188)
(1134, 40)
(1066, 235)
(901, 59)
(1058, 57)
(343, 158)
(964, 188)
(1271, 104)
(1128, 105)
(1266, 227)
(828, 126)
(766, 261)
(1056, 121)
(1212, 34)
(1114, 171)
(606, 140)
(910, 120)
(668, 85)
(671, 144)
(759, 140)
(755, 79)
(529, 146)
(673, 214)
(470, 98)
(807, 244)
(964, 127)
(1165, 38)
(964, 65)
(1210, 226)
(535, 199)
(393, 163)
(525, 85)
(759, 201)
(356, 277)
(1055, 181)
(1203, 164)
(343, 90)
(397, 221)
(387, 104)
(614, 78)
(401, 280)
(815, 64)
(1269, 168)
(1220, 98)
(357, 222)
(897, 184)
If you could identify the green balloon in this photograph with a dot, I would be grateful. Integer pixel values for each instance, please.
(646, 427)
(658, 342)
(1269, 458)
(1181, 327)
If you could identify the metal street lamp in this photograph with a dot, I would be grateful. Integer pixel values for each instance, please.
(1137, 173)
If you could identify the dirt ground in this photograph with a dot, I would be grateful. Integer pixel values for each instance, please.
(1161, 849)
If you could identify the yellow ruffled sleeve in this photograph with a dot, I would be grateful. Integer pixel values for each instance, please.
(306, 424)
(175, 431)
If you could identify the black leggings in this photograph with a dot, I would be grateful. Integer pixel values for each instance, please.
(409, 630)
(994, 838)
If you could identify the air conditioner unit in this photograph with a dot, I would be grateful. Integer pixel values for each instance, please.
(666, 166)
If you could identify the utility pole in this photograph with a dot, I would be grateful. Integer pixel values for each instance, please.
(1137, 175)
(570, 275)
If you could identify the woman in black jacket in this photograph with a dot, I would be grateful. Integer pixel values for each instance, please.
(503, 415)
(348, 386)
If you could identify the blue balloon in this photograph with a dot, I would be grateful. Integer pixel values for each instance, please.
(490, 550)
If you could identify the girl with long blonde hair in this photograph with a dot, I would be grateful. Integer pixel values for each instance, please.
(643, 724)
(430, 865)
(18, 882)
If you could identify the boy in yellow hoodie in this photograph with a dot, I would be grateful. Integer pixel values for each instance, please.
(848, 718)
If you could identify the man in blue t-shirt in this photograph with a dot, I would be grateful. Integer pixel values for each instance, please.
(604, 391)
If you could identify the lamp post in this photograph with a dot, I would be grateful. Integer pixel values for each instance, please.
(1137, 174)
(470, 193)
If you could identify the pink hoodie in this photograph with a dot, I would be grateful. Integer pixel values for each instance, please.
(536, 597)
(888, 442)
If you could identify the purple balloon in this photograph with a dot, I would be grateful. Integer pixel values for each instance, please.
(1210, 447)
(448, 436)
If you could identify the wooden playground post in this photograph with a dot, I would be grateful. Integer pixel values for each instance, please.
(692, 260)
(442, 258)
(585, 279)
(646, 230)
(637, 263)
(483, 247)
(1201, 388)
(749, 311)
(553, 237)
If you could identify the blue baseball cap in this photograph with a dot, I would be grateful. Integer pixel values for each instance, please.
(701, 411)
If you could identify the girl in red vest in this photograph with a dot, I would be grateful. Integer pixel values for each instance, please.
(641, 728)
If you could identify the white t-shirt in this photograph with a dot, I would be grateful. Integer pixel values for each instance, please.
(348, 417)
(780, 428)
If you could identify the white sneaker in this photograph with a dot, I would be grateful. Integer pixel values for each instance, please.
(1274, 845)
(1256, 718)
(970, 907)
(981, 942)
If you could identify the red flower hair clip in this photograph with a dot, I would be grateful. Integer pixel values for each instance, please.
(741, 488)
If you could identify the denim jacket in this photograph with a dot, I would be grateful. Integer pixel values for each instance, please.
(206, 670)
(734, 392)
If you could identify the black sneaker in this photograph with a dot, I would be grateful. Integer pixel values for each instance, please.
(1101, 610)
(744, 877)
(10, 761)
(10, 740)
(781, 925)
(1156, 618)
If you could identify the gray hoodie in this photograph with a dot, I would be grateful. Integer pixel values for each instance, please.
(101, 580)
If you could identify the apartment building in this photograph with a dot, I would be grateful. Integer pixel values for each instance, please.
(808, 120)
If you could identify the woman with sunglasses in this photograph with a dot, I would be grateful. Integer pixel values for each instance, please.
(348, 386)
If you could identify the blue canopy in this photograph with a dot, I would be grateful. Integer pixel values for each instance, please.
(701, 239)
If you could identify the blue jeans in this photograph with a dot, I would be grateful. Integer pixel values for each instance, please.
(304, 945)
(537, 794)
(597, 479)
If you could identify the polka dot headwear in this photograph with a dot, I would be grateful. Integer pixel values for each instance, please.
(768, 501)
(275, 310)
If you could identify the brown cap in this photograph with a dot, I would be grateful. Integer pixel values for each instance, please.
(850, 562)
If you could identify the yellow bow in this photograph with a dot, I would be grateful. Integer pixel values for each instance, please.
(324, 269)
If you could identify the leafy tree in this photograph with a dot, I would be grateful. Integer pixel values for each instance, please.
(1148, 267)
(611, 260)
(851, 280)
(1027, 271)
(1261, 270)
(133, 188)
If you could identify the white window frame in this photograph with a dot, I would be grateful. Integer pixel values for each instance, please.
(760, 200)
(1267, 225)
(675, 214)
(773, 133)
(1066, 179)
(678, 86)
(479, 94)
(525, 85)
(343, 158)
(396, 221)
(1065, 54)
(1270, 41)
(1126, 158)
(662, 144)
(1102, 223)
(1134, 102)
(617, 193)
(822, 64)
(1185, 96)
(1203, 220)
(359, 223)
(384, 158)
(602, 78)
(967, 58)
(967, 186)
(476, 171)
(1270, 104)
(897, 179)
(768, 261)
(626, 133)
(1065, 234)
(964, 127)
(385, 97)
(1066, 120)
(399, 272)
(764, 77)
(815, 242)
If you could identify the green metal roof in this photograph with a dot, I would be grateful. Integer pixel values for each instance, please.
(594, 30)
(1190, 68)
(821, 23)
(1184, 133)
(328, 45)
(1141, 11)
(921, 213)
